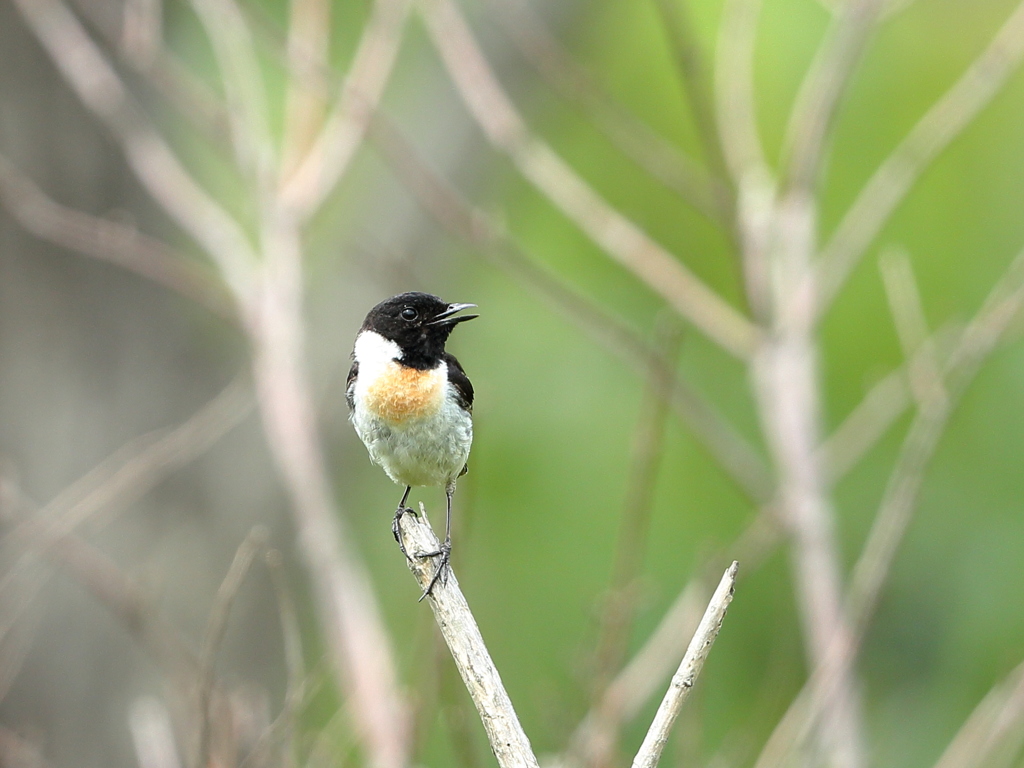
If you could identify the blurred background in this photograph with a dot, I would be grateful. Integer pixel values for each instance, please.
(191, 232)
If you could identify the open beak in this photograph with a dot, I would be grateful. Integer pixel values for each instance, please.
(447, 318)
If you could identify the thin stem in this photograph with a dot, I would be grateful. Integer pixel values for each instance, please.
(694, 75)
(685, 677)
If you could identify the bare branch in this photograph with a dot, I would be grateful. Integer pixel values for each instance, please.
(98, 85)
(325, 164)
(660, 158)
(894, 178)
(142, 30)
(686, 675)
(619, 237)
(118, 593)
(1003, 304)
(509, 743)
(110, 241)
(736, 114)
(877, 411)
(132, 471)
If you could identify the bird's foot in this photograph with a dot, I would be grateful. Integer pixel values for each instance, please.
(441, 571)
(396, 529)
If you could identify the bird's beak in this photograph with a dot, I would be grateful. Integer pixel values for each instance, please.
(446, 317)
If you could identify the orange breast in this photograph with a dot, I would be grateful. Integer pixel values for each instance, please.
(403, 393)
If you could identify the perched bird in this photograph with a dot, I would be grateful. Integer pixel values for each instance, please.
(410, 401)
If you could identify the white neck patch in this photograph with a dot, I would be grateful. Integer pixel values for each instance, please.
(374, 353)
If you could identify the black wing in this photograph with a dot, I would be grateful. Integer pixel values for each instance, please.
(350, 386)
(460, 381)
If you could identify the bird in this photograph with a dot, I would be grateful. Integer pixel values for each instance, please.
(411, 402)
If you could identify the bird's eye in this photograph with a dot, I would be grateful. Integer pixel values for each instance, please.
(409, 314)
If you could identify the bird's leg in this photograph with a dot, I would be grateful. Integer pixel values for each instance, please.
(402, 509)
(446, 548)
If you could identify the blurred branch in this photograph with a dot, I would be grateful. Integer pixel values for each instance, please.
(295, 665)
(979, 338)
(137, 467)
(619, 237)
(99, 87)
(977, 342)
(788, 390)
(893, 179)
(686, 675)
(142, 30)
(634, 523)
(101, 577)
(216, 626)
(823, 88)
(741, 148)
(658, 157)
(509, 743)
(347, 607)
(308, 45)
(110, 241)
(326, 162)
(18, 752)
(923, 367)
(735, 106)
(998, 715)
(731, 450)
(246, 101)
(877, 411)
(696, 81)
(152, 734)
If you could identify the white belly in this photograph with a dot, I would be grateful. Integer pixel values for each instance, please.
(427, 450)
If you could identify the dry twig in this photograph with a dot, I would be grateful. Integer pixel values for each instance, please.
(686, 675)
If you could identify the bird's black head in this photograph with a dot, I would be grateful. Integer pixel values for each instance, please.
(419, 323)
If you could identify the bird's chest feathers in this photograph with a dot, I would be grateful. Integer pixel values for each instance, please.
(394, 392)
(399, 393)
